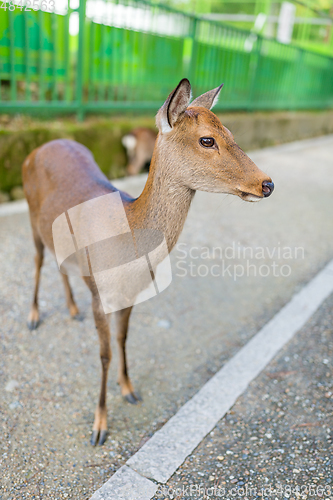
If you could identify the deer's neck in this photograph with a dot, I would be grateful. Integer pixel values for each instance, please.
(163, 204)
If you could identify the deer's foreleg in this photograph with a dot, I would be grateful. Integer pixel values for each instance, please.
(127, 390)
(101, 321)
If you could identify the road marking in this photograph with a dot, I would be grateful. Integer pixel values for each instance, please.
(126, 484)
(161, 456)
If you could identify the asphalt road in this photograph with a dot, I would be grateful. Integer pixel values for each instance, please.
(253, 258)
(276, 442)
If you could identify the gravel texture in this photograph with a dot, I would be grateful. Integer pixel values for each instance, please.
(49, 378)
(276, 441)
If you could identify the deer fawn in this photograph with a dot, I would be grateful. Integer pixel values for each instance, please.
(139, 144)
(193, 151)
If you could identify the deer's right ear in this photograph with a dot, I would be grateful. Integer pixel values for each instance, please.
(174, 106)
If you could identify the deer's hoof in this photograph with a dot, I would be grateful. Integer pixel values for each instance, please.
(78, 317)
(102, 437)
(33, 324)
(74, 310)
(33, 318)
(138, 397)
(98, 436)
(94, 437)
(133, 398)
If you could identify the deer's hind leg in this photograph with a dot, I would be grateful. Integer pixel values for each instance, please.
(72, 307)
(33, 318)
(127, 390)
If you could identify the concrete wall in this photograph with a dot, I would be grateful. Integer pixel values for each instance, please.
(258, 130)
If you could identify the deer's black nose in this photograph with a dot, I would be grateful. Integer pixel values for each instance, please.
(267, 188)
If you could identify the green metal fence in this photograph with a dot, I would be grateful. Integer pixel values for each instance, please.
(129, 54)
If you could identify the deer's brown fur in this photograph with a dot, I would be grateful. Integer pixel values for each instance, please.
(62, 174)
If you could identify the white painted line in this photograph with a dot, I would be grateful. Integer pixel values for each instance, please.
(160, 457)
(13, 207)
(126, 484)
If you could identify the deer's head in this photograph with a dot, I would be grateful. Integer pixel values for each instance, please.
(201, 152)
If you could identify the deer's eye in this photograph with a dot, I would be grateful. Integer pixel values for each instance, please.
(207, 142)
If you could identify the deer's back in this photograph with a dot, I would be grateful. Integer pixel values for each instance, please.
(58, 176)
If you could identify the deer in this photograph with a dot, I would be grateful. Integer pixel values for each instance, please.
(193, 151)
(139, 144)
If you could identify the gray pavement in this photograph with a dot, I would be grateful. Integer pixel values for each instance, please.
(50, 377)
(276, 442)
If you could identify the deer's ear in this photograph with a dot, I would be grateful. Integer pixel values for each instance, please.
(174, 106)
(209, 99)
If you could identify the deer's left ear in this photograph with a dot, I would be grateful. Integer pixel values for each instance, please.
(209, 99)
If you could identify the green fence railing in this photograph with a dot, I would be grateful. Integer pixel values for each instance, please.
(129, 54)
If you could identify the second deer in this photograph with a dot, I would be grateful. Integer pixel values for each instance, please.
(139, 144)
(193, 151)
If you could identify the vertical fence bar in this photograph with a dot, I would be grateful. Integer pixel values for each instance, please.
(210, 54)
(54, 25)
(110, 91)
(299, 75)
(26, 57)
(274, 90)
(254, 69)
(80, 61)
(228, 61)
(41, 56)
(91, 60)
(144, 45)
(67, 79)
(194, 54)
(13, 92)
(102, 60)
